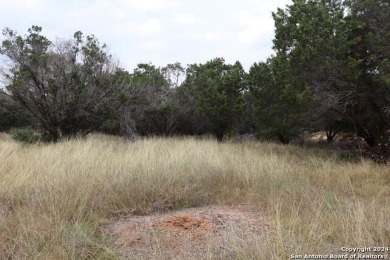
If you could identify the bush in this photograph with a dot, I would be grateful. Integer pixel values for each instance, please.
(25, 135)
(350, 156)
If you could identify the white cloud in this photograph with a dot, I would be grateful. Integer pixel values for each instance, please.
(211, 36)
(253, 27)
(30, 4)
(155, 45)
(147, 5)
(186, 19)
(151, 27)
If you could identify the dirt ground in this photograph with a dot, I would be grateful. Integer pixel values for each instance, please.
(195, 233)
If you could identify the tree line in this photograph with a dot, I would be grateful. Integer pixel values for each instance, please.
(330, 72)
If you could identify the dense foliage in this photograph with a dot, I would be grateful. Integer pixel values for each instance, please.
(67, 87)
(330, 72)
(340, 50)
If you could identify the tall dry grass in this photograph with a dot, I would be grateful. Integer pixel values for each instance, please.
(56, 199)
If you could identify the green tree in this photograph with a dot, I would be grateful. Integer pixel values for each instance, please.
(331, 47)
(174, 74)
(369, 30)
(280, 106)
(68, 87)
(153, 107)
(218, 89)
(12, 115)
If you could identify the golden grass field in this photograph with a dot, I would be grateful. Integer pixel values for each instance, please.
(57, 199)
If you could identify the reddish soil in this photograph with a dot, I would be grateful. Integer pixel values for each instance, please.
(194, 233)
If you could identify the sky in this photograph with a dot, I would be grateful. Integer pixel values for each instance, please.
(156, 31)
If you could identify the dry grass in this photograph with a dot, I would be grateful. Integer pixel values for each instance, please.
(55, 200)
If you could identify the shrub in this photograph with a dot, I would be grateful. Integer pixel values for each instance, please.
(25, 135)
(350, 156)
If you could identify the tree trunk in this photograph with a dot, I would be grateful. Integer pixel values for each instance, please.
(330, 135)
(283, 139)
(219, 136)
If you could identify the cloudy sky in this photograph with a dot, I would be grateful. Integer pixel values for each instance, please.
(157, 31)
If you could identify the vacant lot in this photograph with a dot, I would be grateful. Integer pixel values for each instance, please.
(58, 200)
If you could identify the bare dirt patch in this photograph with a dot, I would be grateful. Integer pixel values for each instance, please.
(195, 233)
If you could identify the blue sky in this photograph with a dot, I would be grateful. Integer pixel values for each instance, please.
(157, 31)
